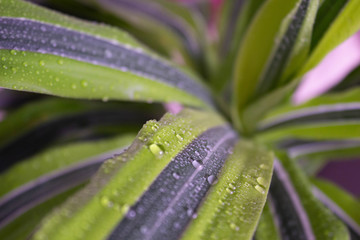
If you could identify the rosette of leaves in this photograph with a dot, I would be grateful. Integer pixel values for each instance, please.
(238, 162)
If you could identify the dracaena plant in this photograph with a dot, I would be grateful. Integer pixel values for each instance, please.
(76, 162)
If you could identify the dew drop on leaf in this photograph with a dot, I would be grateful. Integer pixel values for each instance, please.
(211, 179)
(261, 181)
(260, 189)
(175, 175)
(197, 164)
(42, 63)
(156, 149)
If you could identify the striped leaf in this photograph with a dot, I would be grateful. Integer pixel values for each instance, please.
(232, 208)
(260, 63)
(111, 197)
(63, 128)
(332, 116)
(60, 157)
(327, 13)
(65, 57)
(52, 175)
(346, 23)
(24, 225)
(341, 203)
(297, 213)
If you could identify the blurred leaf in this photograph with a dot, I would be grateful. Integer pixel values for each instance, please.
(327, 13)
(54, 128)
(57, 158)
(72, 62)
(24, 225)
(299, 215)
(345, 25)
(267, 228)
(260, 63)
(235, 19)
(233, 207)
(48, 182)
(346, 207)
(332, 116)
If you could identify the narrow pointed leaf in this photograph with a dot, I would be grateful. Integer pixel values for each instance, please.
(334, 116)
(345, 25)
(23, 226)
(267, 228)
(327, 13)
(72, 62)
(43, 186)
(233, 207)
(44, 134)
(260, 64)
(57, 158)
(300, 214)
(197, 142)
(346, 207)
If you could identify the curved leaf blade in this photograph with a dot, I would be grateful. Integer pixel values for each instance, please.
(110, 196)
(260, 63)
(232, 208)
(314, 218)
(73, 64)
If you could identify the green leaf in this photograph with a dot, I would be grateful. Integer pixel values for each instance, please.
(260, 64)
(327, 13)
(56, 59)
(266, 228)
(23, 226)
(110, 198)
(49, 180)
(57, 158)
(299, 214)
(233, 207)
(234, 20)
(345, 206)
(332, 116)
(65, 128)
(346, 24)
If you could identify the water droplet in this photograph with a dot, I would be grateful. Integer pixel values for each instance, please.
(176, 175)
(73, 86)
(43, 28)
(13, 70)
(260, 189)
(106, 202)
(53, 42)
(232, 186)
(42, 63)
(156, 149)
(261, 181)
(131, 214)
(212, 179)
(4, 67)
(143, 229)
(108, 53)
(13, 52)
(3, 58)
(179, 137)
(197, 164)
(25, 64)
(263, 166)
(105, 99)
(60, 62)
(84, 83)
(233, 226)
